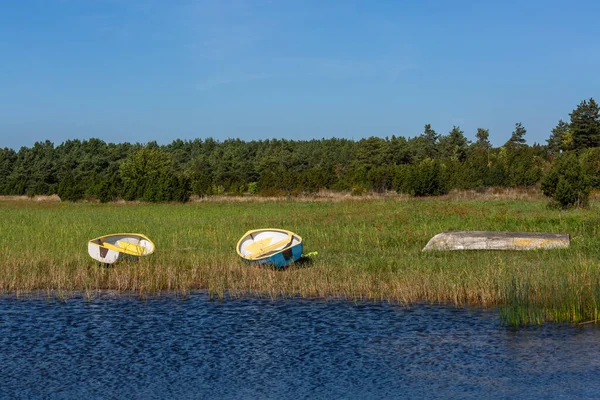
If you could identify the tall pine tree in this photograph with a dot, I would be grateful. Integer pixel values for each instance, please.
(454, 145)
(431, 140)
(517, 139)
(560, 138)
(483, 138)
(585, 125)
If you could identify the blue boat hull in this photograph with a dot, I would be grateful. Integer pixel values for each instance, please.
(283, 258)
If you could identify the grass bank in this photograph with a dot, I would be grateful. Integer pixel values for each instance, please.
(368, 250)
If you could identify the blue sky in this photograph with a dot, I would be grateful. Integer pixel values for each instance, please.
(142, 70)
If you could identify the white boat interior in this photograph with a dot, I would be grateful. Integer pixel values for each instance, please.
(265, 242)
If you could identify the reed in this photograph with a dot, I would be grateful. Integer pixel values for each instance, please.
(369, 249)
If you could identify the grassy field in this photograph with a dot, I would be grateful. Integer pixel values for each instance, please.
(369, 249)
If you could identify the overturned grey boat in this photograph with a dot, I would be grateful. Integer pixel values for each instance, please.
(482, 240)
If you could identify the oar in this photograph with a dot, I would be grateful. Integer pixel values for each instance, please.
(258, 250)
(128, 248)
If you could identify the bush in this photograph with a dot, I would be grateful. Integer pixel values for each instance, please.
(566, 183)
(253, 188)
(426, 179)
(381, 179)
(201, 184)
(217, 190)
(590, 160)
(106, 191)
(69, 189)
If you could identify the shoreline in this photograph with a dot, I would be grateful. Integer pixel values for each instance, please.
(367, 251)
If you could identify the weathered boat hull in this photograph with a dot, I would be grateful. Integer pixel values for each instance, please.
(277, 247)
(483, 240)
(108, 249)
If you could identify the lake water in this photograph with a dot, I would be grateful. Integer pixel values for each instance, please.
(123, 347)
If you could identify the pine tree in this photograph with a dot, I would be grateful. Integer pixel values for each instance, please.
(483, 138)
(454, 145)
(431, 135)
(517, 139)
(558, 139)
(431, 139)
(585, 125)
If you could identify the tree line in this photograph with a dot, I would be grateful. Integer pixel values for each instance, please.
(427, 164)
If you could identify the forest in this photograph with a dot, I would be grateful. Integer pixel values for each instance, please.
(567, 167)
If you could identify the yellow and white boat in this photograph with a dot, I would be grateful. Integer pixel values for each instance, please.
(278, 247)
(108, 249)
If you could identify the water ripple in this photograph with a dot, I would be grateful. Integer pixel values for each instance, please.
(253, 348)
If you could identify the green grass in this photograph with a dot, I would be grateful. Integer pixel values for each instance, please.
(368, 249)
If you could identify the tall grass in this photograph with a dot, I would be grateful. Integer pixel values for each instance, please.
(368, 249)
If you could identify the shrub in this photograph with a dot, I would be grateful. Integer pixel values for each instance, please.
(590, 160)
(201, 184)
(69, 189)
(566, 183)
(253, 188)
(217, 190)
(426, 179)
(106, 191)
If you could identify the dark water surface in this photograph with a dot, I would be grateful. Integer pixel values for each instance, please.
(120, 347)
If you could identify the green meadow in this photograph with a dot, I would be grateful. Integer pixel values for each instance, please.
(368, 249)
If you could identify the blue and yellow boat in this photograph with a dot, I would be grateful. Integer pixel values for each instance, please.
(278, 247)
